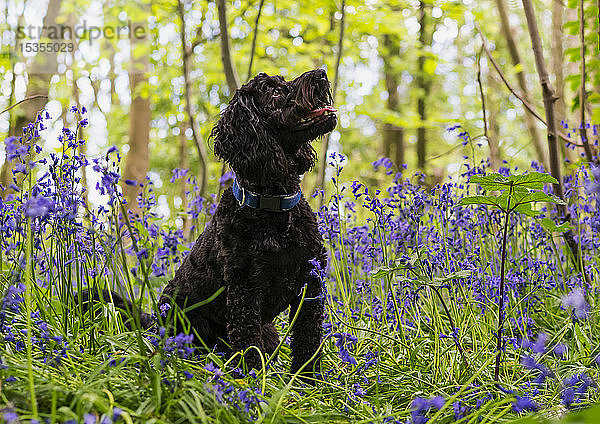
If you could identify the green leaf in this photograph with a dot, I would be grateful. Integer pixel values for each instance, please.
(526, 209)
(537, 196)
(550, 226)
(463, 273)
(533, 180)
(384, 271)
(497, 201)
(491, 181)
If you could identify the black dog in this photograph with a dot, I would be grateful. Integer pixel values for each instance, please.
(263, 235)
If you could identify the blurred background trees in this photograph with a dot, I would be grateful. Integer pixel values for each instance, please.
(407, 71)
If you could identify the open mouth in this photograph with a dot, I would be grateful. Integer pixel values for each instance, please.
(316, 113)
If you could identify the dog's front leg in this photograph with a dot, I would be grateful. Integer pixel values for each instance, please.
(308, 328)
(244, 322)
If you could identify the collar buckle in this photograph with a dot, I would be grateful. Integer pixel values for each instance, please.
(270, 203)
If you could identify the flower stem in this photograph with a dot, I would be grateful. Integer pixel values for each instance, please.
(501, 300)
(28, 308)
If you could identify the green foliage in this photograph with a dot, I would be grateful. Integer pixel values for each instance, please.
(518, 192)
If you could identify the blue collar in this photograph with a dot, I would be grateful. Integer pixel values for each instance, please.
(281, 203)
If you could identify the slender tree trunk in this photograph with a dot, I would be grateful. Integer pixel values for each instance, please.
(492, 142)
(137, 160)
(393, 136)
(549, 99)
(589, 151)
(75, 93)
(231, 75)
(184, 163)
(516, 61)
(254, 36)
(548, 95)
(196, 135)
(558, 9)
(494, 127)
(233, 81)
(109, 52)
(323, 164)
(423, 87)
(43, 67)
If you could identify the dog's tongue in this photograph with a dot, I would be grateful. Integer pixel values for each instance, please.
(319, 112)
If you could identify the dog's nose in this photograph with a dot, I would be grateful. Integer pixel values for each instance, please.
(320, 73)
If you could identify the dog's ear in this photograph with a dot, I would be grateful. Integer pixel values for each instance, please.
(243, 141)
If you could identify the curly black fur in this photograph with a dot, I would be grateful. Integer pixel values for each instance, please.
(261, 258)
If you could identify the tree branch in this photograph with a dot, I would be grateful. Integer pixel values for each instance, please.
(526, 104)
(260, 8)
(231, 75)
(196, 136)
(37, 96)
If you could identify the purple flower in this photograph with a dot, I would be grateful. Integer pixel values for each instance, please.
(530, 363)
(420, 406)
(560, 350)
(10, 417)
(576, 301)
(345, 342)
(229, 175)
(216, 371)
(179, 173)
(524, 403)
(539, 346)
(117, 412)
(568, 396)
(38, 206)
(19, 168)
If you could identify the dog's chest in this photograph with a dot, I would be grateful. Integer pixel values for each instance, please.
(281, 277)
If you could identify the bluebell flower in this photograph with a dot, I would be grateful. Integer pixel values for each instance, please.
(524, 404)
(38, 207)
(90, 419)
(560, 350)
(577, 302)
(345, 342)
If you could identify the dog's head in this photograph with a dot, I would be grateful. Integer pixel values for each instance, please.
(266, 129)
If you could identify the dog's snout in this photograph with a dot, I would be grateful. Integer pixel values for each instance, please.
(320, 73)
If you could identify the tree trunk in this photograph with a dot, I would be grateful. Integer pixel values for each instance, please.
(494, 127)
(323, 164)
(233, 81)
(558, 9)
(516, 61)
(196, 135)
(75, 93)
(393, 136)
(254, 36)
(184, 164)
(423, 87)
(43, 67)
(589, 150)
(137, 160)
(549, 98)
(491, 140)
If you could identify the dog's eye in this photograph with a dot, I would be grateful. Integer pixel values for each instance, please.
(277, 92)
